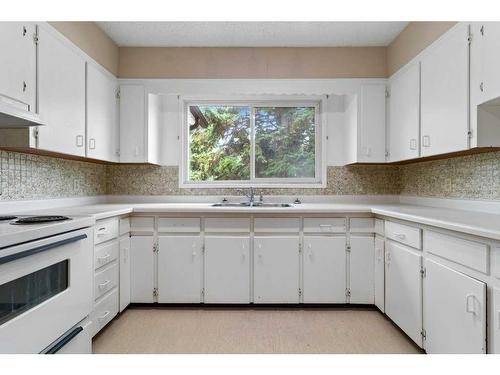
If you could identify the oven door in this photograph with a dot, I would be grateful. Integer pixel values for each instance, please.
(45, 289)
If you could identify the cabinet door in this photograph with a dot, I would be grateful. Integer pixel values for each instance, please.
(404, 113)
(179, 269)
(61, 80)
(454, 311)
(403, 289)
(361, 272)
(485, 60)
(18, 64)
(276, 269)
(324, 269)
(141, 269)
(494, 328)
(132, 124)
(102, 113)
(124, 272)
(379, 273)
(445, 94)
(372, 125)
(227, 269)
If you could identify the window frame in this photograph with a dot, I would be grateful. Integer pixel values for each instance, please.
(318, 102)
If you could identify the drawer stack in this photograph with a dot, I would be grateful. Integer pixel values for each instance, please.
(106, 273)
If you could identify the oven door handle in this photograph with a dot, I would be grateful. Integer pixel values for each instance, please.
(61, 343)
(40, 249)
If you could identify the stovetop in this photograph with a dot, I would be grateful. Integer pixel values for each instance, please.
(27, 220)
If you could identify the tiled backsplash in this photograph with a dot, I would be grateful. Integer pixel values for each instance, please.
(26, 176)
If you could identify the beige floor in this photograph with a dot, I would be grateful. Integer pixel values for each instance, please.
(252, 330)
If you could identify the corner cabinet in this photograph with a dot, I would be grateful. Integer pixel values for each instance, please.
(445, 93)
(18, 64)
(140, 118)
(404, 113)
(61, 91)
(102, 115)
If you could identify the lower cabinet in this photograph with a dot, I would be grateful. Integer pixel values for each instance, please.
(494, 328)
(276, 269)
(124, 272)
(180, 260)
(324, 269)
(379, 273)
(403, 289)
(454, 311)
(227, 269)
(361, 270)
(141, 269)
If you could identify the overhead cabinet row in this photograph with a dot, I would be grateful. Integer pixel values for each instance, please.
(76, 100)
(433, 106)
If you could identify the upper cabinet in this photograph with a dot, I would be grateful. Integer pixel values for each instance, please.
(404, 113)
(61, 92)
(445, 93)
(139, 125)
(18, 64)
(102, 115)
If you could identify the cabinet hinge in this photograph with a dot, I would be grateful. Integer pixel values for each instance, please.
(348, 292)
(423, 334)
(203, 292)
(300, 292)
(156, 248)
(348, 248)
(155, 292)
(469, 134)
(481, 30)
(469, 38)
(118, 94)
(36, 133)
(35, 38)
(300, 248)
(387, 94)
(423, 272)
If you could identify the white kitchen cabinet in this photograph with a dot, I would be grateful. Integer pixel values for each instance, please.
(18, 64)
(403, 289)
(379, 273)
(445, 93)
(494, 322)
(142, 269)
(324, 269)
(276, 269)
(140, 122)
(102, 114)
(361, 270)
(227, 269)
(365, 121)
(180, 260)
(404, 113)
(124, 272)
(454, 311)
(61, 95)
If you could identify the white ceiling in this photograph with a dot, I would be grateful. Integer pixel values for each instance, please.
(252, 34)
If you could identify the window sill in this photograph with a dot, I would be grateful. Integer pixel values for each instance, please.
(235, 185)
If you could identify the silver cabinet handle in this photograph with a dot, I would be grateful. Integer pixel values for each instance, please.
(426, 141)
(468, 308)
(103, 316)
(413, 144)
(92, 144)
(104, 284)
(79, 141)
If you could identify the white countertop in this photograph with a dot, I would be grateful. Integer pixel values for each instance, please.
(470, 222)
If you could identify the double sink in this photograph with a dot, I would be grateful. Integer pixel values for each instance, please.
(251, 204)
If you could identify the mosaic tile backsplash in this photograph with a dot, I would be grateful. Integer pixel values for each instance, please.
(25, 176)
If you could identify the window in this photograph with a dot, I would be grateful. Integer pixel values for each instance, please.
(265, 143)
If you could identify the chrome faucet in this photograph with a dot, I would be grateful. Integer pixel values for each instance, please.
(250, 194)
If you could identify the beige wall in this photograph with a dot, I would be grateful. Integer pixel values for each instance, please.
(412, 40)
(93, 41)
(340, 62)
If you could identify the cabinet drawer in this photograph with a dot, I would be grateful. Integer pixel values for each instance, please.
(105, 230)
(105, 280)
(324, 225)
(104, 311)
(277, 225)
(362, 224)
(379, 227)
(142, 224)
(227, 225)
(468, 253)
(405, 234)
(179, 224)
(105, 254)
(124, 225)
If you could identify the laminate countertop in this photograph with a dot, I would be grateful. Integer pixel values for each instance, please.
(470, 222)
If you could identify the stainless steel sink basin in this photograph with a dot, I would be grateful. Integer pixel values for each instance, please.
(248, 204)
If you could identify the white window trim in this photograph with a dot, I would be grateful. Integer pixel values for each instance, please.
(318, 101)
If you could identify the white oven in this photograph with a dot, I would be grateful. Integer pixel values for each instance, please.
(45, 291)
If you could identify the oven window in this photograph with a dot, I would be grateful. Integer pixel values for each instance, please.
(20, 295)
